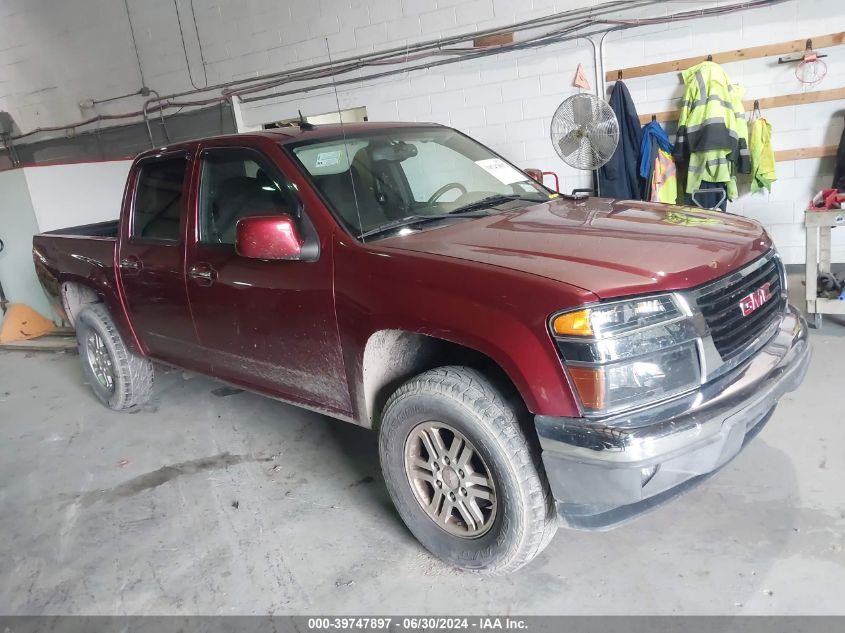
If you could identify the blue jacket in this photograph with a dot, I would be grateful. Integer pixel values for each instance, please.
(619, 178)
(653, 133)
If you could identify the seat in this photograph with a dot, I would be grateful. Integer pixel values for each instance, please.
(240, 197)
(164, 225)
(372, 196)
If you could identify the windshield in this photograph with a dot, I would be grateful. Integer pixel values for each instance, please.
(378, 179)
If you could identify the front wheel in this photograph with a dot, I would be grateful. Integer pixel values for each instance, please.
(121, 379)
(462, 474)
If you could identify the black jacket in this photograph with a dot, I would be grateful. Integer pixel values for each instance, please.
(619, 177)
(839, 172)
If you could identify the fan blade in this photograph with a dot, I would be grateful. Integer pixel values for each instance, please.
(596, 161)
(587, 158)
(569, 143)
(582, 110)
(603, 143)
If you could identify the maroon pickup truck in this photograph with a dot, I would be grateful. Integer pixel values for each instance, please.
(528, 359)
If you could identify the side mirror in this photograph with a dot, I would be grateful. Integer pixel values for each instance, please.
(268, 237)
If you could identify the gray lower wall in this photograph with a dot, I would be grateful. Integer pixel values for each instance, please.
(125, 140)
(17, 226)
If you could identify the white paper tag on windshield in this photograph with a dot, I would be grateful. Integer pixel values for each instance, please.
(327, 159)
(501, 171)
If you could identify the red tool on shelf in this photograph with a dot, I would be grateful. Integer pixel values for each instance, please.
(827, 199)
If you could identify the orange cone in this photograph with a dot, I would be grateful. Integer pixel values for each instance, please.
(22, 323)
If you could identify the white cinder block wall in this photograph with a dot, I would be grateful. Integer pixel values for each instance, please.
(54, 55)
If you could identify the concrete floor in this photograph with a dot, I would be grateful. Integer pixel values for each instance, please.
(222, 504)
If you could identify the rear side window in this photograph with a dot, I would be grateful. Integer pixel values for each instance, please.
(158, 199)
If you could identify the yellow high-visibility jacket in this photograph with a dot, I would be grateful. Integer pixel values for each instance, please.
(762, 156)
(664, 179)
(712, 139)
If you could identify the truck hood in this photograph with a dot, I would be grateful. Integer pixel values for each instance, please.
(610, 248)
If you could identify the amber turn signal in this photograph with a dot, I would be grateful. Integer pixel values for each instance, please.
(590, 385)
(573, 324)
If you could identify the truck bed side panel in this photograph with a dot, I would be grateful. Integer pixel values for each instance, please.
(88, 261)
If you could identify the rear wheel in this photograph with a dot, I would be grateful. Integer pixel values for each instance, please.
(462, 473)
(121, 379)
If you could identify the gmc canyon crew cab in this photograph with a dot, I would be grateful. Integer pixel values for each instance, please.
(528, 359)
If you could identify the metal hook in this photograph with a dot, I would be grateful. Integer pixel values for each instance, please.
(709, 58)
(619, 76)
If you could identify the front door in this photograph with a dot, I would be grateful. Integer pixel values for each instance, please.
(269, 325)
(151, 261)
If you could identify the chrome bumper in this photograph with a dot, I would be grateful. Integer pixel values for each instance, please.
(602, 471)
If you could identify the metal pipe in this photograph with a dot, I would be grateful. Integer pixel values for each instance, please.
(555, 18)
(387, 73)
(543, 40)
(435, 46)
(110, 99)
(603, 93)
(595, 64)
(147, 121)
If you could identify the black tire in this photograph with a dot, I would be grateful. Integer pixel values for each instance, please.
(133, 375)
(525, 518)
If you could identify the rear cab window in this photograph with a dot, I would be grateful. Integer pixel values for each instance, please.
(158, 203)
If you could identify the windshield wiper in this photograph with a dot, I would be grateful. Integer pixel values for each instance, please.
(491, 201)
(416, 219)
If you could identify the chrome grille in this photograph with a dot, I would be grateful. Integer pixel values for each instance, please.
(720, 304)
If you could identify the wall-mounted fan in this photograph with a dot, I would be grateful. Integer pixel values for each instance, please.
(585, 131)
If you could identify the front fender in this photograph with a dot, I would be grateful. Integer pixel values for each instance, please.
(497, 312)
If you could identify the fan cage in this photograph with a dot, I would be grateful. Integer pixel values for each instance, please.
(584, 131)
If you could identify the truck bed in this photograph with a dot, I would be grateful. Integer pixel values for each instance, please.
(97, 229)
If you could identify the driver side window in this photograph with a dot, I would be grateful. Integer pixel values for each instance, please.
(237, 183)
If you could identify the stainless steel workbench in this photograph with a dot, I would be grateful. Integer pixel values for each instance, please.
(819, 225)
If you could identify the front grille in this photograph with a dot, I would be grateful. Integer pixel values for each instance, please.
(720, 304)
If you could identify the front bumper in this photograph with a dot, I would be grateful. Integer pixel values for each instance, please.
(602, 473)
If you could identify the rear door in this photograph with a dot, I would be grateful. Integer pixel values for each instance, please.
(269, 325)
(151, 259)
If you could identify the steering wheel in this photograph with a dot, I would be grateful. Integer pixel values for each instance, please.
(445, 188)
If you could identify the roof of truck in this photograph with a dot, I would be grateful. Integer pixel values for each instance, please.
(294, 133)
(336, 129)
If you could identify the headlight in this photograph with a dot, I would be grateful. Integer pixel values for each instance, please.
(615, 318)
(626, 354)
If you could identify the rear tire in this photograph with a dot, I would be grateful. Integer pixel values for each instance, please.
(460, 404)
(121, 379)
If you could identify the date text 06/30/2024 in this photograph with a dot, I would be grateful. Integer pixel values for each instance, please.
(416, 623)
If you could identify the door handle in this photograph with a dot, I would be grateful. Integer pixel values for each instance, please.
(202, 274)
(130, 263)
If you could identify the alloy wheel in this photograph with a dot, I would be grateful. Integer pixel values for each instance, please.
(100, 360)
(450, 480)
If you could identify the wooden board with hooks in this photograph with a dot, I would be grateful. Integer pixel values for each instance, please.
(802, 153)
(754, 52)
(780, 101)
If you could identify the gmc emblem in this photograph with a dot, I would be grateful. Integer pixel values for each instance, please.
(756, 299)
